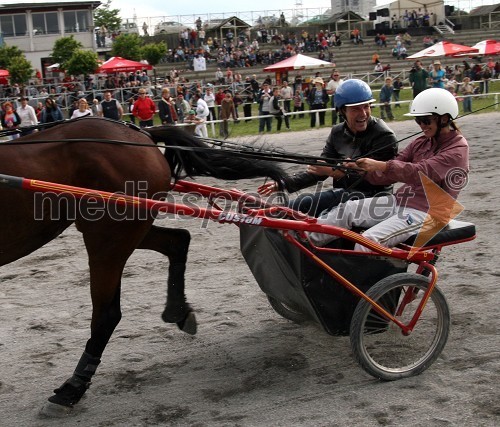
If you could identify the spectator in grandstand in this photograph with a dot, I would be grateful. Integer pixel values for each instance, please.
(418, 78)
(318, 100)
(437, 75)
(144, 109)
(397, 85)
(27, 115)
(385, 99)
(276, 110)
(166, 108)
(110, 107)
(467, 89)
(83, 109)
(407, 38)
(226, 112)
(298, 103)
(485, 79)
(10, 119)
(356, 36)
(210, 100)
(286, 94)
(51, 112)
(182, 107)
(427, 41)
(331, 87)
(219, 96)
(263, 100)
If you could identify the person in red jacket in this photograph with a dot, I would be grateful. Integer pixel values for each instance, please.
(144, 109)
(219, 96)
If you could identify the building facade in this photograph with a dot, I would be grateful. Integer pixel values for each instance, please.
(35, 27)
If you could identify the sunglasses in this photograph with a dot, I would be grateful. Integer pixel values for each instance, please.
(424, 120)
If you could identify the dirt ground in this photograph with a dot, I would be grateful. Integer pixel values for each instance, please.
(247, 366)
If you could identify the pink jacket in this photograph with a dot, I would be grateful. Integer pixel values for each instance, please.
(445, 162)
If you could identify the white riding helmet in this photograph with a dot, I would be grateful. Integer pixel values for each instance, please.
(434, 101)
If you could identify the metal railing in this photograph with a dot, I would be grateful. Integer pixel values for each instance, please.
(268, 18)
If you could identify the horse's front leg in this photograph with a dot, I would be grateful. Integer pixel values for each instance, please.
(173, 243)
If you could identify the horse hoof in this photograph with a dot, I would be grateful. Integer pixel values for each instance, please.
(53, 410)
(188, 324)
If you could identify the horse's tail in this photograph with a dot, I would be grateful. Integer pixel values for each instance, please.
(209, 161)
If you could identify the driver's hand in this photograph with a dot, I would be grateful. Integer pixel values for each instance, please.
(371, 165)
(268, 188)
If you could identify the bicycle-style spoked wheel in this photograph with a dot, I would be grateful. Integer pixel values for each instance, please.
(380, 346)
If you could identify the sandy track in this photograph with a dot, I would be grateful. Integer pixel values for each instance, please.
(247, 366)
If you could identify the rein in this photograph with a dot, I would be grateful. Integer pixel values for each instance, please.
(271, 155)
(229, 148)
(419, 132)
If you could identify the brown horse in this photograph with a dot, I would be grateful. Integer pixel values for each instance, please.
(105, 155)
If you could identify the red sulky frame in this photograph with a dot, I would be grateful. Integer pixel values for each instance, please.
(262, 216)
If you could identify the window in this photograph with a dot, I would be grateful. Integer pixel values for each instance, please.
(20, 27)
(13, 25)
(7, 25)
(76, 21)
(45, 23)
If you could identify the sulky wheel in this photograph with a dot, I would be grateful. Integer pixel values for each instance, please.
(287, 311)
(380, 347)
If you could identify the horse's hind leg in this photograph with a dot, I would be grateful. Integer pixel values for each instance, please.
(173, 243)
(108, 253)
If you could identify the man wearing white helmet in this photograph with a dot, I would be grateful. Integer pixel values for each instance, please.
(359, 135)
(441, 154)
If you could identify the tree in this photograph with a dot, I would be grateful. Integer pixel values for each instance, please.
(153, 52)
(7, 54)
(82, 62)
(105, 16)
(128, 46)
(63, 50)
(20, 70)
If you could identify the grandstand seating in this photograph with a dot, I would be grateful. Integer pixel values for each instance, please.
(349, 58)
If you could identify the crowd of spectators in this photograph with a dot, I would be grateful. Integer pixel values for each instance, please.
(242, 52)
(233, 56)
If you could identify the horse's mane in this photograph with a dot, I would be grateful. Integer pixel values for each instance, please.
(199, 158)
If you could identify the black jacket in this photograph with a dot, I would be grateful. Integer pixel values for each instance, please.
(165, 113)
(343, 144)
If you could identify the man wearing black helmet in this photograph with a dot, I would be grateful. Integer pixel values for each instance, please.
(360, 135)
